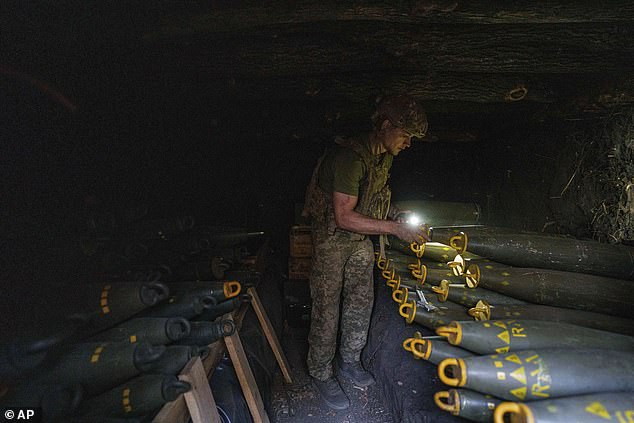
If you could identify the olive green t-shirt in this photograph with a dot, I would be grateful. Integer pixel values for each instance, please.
(342, 170)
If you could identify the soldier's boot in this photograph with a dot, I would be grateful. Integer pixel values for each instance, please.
(355, 373)
(331, 393)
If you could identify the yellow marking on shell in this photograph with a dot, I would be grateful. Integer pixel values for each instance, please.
(104, 300)
(506, 274)
(532, 357)
(538, 390)
(445, 256)
(500, 324)
(519, 393)
(486, 325)
(519, 375)
(445, 248)
(502, 350)
(126, 400)
(518, 332)
(498, 364)
(504, 336)
(440, 265)
(627, 418)
(552, 409)
(95, 354)
(505, 283)
(132, 339)
(513, 358)
(488, 266)
(501, 376)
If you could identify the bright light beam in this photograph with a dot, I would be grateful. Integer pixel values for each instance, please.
(414, 220)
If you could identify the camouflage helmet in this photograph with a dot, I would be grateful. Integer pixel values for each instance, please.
(403, 112)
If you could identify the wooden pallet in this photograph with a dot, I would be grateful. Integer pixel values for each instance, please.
(199, 402)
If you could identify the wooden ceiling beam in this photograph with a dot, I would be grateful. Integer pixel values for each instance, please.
(334, 49)
(209, 19)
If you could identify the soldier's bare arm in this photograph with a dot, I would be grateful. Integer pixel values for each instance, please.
(347, 218)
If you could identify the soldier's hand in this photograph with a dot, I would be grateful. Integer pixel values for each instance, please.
(403, 216)
(409, 233)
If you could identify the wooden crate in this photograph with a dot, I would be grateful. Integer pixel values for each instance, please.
(301, 241)
(299, 267)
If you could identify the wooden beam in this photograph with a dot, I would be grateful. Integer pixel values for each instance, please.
(246, 378)
(176, 411)
(328, 49)
(446, 86)
(416, 12)
(200, 401)
(269, 332)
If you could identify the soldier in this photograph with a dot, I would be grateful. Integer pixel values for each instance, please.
(348, 199)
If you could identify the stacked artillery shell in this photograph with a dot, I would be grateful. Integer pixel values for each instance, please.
(538, 374)
(488, 337)
(184, 306)
(445, 313)
(218, 237)
(205, 333)
(593, 408)
(101, 366)
(219, 290)
(562, 289)
(136, 397)
(213, 312)
(208, 270)
(175, 358)
(101, 306)
(20, 358)
(56, 400)
(442, 212)
(85, 369)
(434, 251)
(153, 330)
(483, 311)
(469, 297)
(433, 351)
(467, 404)
(526, 249)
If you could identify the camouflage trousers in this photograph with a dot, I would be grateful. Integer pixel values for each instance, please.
(341, 272)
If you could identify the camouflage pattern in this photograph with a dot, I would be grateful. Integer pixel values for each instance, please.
(403, 112)
(340, 265)
(374, 193)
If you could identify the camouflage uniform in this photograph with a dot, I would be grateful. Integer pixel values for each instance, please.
(342, 263)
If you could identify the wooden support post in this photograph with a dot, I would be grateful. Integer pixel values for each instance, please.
(200, 401)
(267, 328)
(246, 378)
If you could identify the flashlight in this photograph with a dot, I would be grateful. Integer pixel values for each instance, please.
(413, 220)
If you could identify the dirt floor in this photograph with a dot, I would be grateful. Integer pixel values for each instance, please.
(298, 403)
